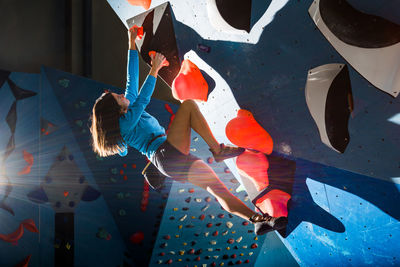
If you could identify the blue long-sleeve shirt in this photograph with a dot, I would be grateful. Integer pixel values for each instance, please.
(137, 126)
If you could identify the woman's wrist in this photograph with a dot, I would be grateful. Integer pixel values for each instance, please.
(153, 72)
(132, 45)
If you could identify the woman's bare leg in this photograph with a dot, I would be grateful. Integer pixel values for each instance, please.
(189, 116)
(202, 175)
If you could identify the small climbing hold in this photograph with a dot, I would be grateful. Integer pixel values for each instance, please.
(189, 226)
(206, 234)
(246, 261)
(193, 243)
(187, 200)
(163, 245)
(185, 208)
(254, 245)
(213, 242)
(215, 233)
(63, 82)
(176, 236)
(244, 246)
(196, 139)
(239, 239)
(167, 237)
(250, 253)
(172, 252)
(230, 241)
(162, 254)
(221, 215)
(191, 251)
(210, 160)
(193, 149)
(137, 237)
(245, 223)
(199, 251)
(212, 216)
(169, 261)
(183, 218)
(227, 170)
(180, 191)
(205, 207)
(209, 225)
(208, 199)
(203, 48)
(229, 224)
(202, 216)
(180, 226)
(198, 200)
(181, 252)
(225, 232)
(191, 190)
(133, 166)
(197, 258)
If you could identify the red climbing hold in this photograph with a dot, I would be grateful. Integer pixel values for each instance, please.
(254, 245)
(230, 241)
(209, 225)
(191, 190)
(30, 225)
(139, 31)
(137, 237)
(153, 53)
(25, 262)
(124, 165)
(14, 236)
(244, 131)
(189, 83)
(29, 160)
(133, 166)
(253, 167)
(143, 3)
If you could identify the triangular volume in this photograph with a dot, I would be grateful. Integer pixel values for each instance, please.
(47, 127)
(159, 36)
(236, 13)
(18, 92)
(10, 147)
(329, 100)
(11, 118)
(369, 43)
(3, 76)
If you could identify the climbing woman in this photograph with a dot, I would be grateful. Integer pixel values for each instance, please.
(120, 120)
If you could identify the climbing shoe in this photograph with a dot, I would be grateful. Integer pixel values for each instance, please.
(265, 223)
(227, 152)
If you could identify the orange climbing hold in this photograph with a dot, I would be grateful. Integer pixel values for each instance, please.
(189, 83)
(274, 203)
(244, 131)
(143, 3)
(253, 167)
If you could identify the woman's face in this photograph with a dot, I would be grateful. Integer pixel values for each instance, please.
(122, 101)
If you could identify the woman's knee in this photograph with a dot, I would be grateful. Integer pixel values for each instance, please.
(189, 104)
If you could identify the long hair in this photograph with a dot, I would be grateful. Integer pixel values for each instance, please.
(106, 134)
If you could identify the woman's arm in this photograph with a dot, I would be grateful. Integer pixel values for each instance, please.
(137, 107)
(132, 76)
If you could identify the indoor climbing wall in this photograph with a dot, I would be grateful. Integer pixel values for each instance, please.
(310, 84)
(309, 88)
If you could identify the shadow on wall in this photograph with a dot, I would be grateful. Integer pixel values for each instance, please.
(245, 64)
